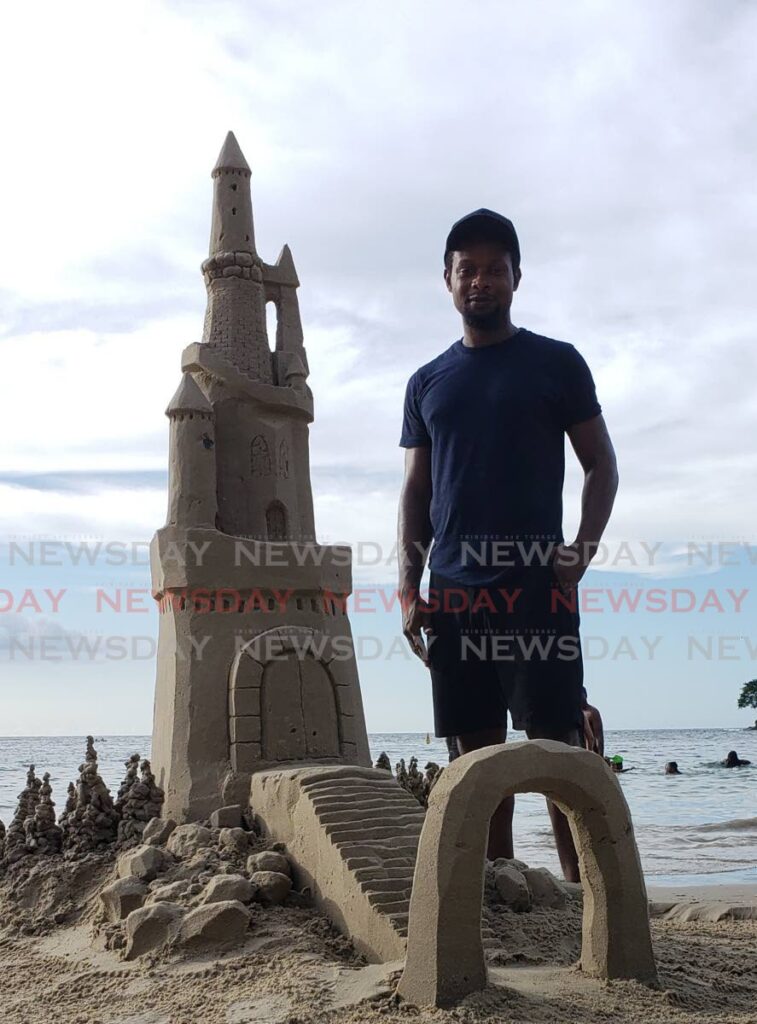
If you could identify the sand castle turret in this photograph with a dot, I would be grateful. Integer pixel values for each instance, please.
(235, 319)
(232, 228)
(192, 468)
(255, 661)
(2, 839)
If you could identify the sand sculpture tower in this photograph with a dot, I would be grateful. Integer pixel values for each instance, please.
(255, 662)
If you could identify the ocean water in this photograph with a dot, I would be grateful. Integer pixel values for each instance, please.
(696, 828)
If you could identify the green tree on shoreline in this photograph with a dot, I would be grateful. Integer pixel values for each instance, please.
(748, 695)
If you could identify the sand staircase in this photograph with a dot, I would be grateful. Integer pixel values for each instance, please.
(353, 833)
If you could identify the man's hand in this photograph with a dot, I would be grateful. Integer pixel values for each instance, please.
(416, 617)
(569, 566)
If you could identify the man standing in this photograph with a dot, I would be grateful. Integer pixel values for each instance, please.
(484, 427)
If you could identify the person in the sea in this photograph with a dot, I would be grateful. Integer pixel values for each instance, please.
(671, 768)
(594, 732)
(734, 761)
(484, 427)
(616, 763)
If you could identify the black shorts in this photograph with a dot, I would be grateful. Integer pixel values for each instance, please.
(514, 647)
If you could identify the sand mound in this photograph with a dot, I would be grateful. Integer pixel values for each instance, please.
(37, 894)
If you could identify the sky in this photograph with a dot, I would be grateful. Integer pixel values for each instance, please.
(619, 138)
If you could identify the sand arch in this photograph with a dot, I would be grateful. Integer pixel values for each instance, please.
(445, 957)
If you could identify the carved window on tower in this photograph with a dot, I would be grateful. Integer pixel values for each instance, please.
(284, 459)
(260, 456)
(276, 521)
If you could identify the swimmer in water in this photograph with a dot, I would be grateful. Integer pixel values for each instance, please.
(671, 768)
(734, 761)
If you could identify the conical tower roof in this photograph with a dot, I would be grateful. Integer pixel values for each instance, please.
(231, 157)
(188, 398)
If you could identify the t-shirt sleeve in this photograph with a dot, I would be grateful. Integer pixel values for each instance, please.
(414, 433)
(578, 392)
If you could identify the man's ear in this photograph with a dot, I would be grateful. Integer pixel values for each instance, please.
(447, 279)
(516, 279)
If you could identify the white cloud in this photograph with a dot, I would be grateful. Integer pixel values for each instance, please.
(619, 139)
(615, 138)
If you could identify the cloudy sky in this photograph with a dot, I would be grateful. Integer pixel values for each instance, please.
(620, 138)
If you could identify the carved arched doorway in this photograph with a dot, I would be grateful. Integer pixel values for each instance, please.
(282, 701)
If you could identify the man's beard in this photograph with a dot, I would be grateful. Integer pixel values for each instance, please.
(485, 321)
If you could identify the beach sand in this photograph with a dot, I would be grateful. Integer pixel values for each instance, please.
(704, 902)
(295, 968)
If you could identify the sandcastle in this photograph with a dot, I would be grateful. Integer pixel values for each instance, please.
(243, 586)
(262, 789)
(257, 695)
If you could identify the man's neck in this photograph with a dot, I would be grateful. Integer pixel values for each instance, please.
(478, 337)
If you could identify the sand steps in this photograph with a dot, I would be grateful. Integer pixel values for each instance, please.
(353, 833)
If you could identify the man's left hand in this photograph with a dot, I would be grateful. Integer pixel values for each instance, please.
(568, 566)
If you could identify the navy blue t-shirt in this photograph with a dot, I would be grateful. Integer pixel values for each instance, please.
(495, 418)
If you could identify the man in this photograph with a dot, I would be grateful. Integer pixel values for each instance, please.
(484, 426)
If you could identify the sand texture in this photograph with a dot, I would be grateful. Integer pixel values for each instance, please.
(293, 968)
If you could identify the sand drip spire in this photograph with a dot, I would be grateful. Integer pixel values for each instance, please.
(43, 835)
(93, 821)
(132, 772)
(28, 798)
(142, 802)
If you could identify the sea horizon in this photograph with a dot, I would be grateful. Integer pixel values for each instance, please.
(394, 732)
(696, 828)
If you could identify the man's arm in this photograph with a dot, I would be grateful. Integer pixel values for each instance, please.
(413, 541)
(593, 447)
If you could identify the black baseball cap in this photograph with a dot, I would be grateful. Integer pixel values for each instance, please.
(485, 225)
